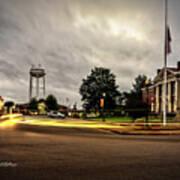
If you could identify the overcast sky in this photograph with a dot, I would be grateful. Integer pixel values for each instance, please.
(70, 37)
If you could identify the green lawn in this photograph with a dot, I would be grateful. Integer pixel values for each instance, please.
(114, 119)
(128, 119)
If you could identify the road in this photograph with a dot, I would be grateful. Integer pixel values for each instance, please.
(43, 152)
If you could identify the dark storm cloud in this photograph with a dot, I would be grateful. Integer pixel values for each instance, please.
(69, 37)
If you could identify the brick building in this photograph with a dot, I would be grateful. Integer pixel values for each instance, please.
(154, 92)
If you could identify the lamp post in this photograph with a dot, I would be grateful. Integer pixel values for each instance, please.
(102, 105)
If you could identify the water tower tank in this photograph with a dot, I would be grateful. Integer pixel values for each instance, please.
(37, 72)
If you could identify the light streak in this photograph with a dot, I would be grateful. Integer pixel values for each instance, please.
(9, 120)
(67, 123)
(10, 116)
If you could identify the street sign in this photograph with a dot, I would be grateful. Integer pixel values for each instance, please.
(101, 102)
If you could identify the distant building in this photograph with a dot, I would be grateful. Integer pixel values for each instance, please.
(22, 108)
(153, 94)
(63, 108)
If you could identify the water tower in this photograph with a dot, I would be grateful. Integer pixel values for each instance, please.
(39, 86)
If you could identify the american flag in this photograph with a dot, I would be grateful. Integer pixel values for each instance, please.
(168, 41)
(67, 99)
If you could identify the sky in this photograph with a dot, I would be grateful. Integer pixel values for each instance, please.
(70, 37)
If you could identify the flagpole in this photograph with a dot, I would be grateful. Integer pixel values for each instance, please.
(165, 66)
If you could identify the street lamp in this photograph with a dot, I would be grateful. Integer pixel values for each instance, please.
(102, 105)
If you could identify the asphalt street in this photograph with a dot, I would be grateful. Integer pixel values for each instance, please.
(42, 152)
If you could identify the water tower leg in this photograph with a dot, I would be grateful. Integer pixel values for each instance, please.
(30, 87)
(44, 86)
(37, 87)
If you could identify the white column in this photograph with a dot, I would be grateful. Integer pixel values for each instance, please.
(176, 96)
(169, 97)
(157, 99)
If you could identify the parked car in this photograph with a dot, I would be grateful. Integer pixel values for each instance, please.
(55, 114)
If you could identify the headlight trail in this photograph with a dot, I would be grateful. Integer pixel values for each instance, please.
(66, 123)
(17, 119)
(9, 120)
(14, 120)
(10, 116)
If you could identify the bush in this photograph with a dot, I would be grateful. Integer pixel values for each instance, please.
(137, 109)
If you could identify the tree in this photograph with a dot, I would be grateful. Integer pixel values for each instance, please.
(138, 85)
(51, 103)
(41, 100)
(9, 105)
(101, 83)
(134, 105)
(33, 104)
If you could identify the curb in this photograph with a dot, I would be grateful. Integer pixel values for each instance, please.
(143, 132)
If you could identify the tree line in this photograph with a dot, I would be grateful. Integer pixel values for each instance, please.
(101, 83)
(50, 102)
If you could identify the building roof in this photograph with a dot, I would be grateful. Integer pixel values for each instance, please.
(171, 72)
